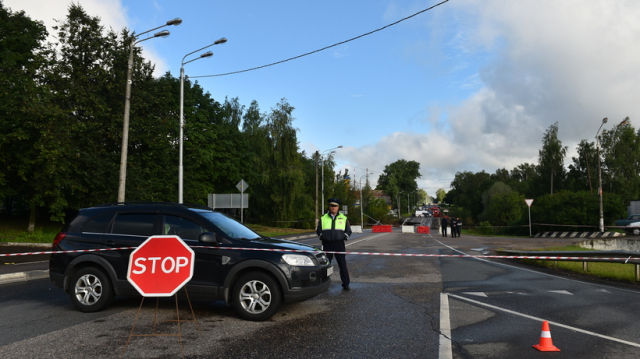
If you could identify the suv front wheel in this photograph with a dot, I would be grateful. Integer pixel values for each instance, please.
(256, 296)
(91, 290)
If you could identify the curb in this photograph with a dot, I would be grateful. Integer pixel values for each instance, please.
(23, 276)
(19, 244)
(299, 237)
(578, 235)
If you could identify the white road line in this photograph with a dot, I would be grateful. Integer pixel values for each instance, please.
(533, 271)
(364, 239)
(445, 351)
(542, 320)
(477, 294)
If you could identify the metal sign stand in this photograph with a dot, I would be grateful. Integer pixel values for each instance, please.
(155, 321)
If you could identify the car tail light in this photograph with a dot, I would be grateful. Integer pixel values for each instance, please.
(59, 237)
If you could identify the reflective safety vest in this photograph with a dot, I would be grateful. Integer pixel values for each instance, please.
(334, 230)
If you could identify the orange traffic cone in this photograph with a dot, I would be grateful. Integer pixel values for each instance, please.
(546, 344)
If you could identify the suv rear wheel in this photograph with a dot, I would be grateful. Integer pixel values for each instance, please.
(256, 296)
(91, 290)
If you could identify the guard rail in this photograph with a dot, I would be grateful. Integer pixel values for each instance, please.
(594, 256)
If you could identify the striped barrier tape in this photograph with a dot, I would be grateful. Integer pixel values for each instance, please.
(625, 259)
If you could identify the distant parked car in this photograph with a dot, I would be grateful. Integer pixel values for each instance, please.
(634, 228)
(625, 222)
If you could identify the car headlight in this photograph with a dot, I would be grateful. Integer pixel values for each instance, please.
(298, 260)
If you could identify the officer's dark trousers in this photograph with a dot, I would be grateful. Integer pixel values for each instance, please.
(444, 231)
(340, 258)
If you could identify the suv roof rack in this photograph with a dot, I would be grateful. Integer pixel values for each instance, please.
(139, 203)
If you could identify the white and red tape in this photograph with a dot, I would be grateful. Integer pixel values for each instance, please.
(625, 259)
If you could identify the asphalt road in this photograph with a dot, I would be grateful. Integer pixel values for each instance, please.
(394, 310)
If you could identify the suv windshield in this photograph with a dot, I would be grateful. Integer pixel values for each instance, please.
(230, 227)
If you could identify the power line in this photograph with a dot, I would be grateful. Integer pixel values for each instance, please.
(325, 48)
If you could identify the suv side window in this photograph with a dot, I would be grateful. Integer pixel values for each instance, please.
(98, 224)
(181, 227)
(134, 224)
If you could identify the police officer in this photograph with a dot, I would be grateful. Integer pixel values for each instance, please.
(444, 223)
(454, 227)
(333, 229)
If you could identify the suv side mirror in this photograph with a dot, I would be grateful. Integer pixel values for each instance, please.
(208, 237)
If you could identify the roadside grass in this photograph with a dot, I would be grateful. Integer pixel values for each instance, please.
(616, 271)
(479, 233)
(275, 231)
(15, 230)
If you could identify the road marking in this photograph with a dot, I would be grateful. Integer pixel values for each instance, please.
(366, 239)
(561, 292)
(542, 320)
(444, 349)
(478, 294)
(531, 270)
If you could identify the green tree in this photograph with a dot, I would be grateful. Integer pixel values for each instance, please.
(466, 191)
(441, 194)
(488, 196)
(579, 208)
(551, 173)
(583, 172)
(620, 161)
(399, 178)
(505, 208)
(27, 145)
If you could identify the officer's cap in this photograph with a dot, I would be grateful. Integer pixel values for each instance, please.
(335, 201)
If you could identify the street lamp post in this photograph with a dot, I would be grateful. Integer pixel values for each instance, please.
(180, 166)
(127, 104)
(604, 120)
(331, 150)
(361, 203)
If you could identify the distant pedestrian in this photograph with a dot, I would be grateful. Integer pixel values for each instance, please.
(444, 223)
(458, 225)
(454, 227)
(333, 230)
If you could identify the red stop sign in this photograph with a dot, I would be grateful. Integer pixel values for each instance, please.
(160, 266)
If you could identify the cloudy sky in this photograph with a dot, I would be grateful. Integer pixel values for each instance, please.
(469, 85)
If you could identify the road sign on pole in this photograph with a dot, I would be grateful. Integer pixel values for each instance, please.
(241, 186)
(160, 266)
(529, 202)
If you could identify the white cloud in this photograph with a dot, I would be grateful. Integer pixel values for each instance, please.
(572, 62)
(111, 12)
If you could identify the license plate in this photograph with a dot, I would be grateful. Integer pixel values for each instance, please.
(329, 271)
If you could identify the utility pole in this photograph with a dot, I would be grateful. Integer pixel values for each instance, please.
(317, 157)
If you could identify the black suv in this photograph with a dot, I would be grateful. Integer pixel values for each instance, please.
(254, 282)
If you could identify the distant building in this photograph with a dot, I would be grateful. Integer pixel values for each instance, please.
(380, 194)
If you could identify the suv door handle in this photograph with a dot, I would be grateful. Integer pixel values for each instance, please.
(109, 243)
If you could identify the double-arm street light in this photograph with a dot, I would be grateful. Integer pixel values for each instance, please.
(127, 104)
(331, 151)
(202, 56)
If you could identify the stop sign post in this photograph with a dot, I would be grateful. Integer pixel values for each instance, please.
(160, 266)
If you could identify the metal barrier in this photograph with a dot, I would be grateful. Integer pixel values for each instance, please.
(594, 256)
